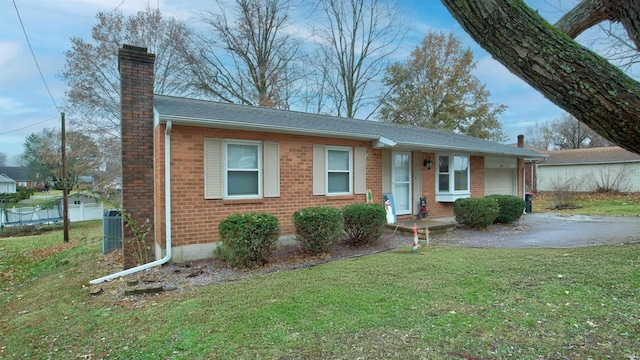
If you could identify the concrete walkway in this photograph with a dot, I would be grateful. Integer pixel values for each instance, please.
(549, 230)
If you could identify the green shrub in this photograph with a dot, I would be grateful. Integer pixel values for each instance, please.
(318, 227)
(22, 193)
(249, 239)
(363, 223)
(510, 208)
(475, 212)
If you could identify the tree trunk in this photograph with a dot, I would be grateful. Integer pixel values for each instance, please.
(571, 76)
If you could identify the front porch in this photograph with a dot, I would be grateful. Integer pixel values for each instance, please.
(435, 226)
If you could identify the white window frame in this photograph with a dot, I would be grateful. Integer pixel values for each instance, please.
(349, 150)
(452, 195)
(225, 177)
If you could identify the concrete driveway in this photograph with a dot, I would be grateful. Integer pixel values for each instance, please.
(549, 230)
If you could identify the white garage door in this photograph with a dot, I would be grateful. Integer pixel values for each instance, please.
(499, 181)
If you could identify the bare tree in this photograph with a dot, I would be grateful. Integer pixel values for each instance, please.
(564, 133)
(3, 159)
(540, 136)
(249, 56)
(573, 77)
(435, 88)
(358, 37)
(91, 68)
(613, 178)
(569, 133)
(91, 73)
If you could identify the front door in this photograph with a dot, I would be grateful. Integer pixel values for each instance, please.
(401, 181)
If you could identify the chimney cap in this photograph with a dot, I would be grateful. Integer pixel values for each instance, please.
(134, 48)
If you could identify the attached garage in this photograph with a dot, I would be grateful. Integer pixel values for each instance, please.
(500, 175)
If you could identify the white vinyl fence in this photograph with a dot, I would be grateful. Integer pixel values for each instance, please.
(83, 212)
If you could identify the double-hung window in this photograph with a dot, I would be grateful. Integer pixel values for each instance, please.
(339, 167)
(453, 178)
(242, 169)
(339, 170)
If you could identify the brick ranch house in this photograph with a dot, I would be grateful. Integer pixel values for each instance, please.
(205, 160)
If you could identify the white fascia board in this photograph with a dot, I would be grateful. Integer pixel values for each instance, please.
(236, 125)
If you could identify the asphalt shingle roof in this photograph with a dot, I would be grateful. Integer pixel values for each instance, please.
(610, 154)
(16, 173)
(215, 114)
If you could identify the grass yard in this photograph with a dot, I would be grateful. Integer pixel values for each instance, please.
(623, 204)
(443, 303)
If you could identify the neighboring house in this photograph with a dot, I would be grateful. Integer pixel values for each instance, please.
(590, 169)
(7, 185)
(188, 164)
(21, 175)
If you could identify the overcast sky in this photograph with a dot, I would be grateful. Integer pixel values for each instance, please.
(27, 106)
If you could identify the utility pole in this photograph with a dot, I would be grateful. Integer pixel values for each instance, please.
(65, 200)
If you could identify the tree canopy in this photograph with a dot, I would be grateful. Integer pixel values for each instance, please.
(570, 75)
(43, 154)
(435, 88)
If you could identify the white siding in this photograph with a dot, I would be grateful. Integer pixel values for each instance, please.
(589, 177)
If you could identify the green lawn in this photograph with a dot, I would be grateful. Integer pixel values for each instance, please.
(624, 204)
(443, 303)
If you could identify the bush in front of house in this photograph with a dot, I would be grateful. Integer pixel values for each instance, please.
(318, 227)
(363, 223)
(247, 240)
(476, 212)
(510, 207)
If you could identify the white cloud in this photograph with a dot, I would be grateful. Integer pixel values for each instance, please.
(12, 106)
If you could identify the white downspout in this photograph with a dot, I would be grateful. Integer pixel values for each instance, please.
(167, 202)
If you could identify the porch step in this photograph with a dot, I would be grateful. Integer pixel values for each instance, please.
(435, 226)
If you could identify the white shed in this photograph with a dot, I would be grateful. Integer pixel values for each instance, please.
(590, 169)
(7, 185)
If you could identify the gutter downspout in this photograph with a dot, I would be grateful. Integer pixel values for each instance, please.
(167, 201)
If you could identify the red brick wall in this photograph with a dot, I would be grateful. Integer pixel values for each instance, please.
(476, 164)
(195, 219)
(444, 209)
(519, 179)
(435, 209)
(136, 69)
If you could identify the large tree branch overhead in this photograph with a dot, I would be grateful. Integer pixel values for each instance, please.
(589, 13)
(571, 76)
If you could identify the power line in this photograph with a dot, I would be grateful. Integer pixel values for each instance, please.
(34, 55)
(28, 126)
(117, 7)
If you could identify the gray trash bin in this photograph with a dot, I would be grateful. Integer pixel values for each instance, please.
(111, 231)
(528, 198)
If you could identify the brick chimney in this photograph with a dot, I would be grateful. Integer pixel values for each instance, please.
(520, 141)
(136, 91)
